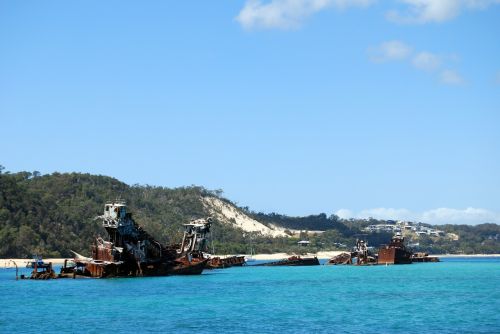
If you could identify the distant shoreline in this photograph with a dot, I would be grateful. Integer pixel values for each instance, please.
(466, 255)
(4, 263)
(330, 254)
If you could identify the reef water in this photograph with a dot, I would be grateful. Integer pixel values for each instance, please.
(458, 295)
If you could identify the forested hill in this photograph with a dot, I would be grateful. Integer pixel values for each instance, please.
(320, 222)
(53, 214)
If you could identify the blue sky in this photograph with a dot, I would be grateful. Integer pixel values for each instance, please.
(388, 109)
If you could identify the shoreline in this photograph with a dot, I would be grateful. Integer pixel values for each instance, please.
(465, 255)
(21, 263)
(330, 254)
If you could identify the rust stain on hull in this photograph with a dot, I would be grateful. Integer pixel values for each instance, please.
(227, 262)
(293, 261)
(395, 252)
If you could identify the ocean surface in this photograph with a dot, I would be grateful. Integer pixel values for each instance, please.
(458, 295)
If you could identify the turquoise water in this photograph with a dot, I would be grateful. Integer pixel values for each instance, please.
(454, 296)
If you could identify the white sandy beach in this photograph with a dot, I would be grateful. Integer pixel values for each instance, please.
(466, 255)
(21, 263)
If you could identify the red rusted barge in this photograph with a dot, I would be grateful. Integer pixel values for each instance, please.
(395, 252)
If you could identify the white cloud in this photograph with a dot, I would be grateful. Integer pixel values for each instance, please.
(424, 11)
(389, 51)
(288, 14)
(469, 215)
(421, 11)
(451, 77)
(377, 213)
(422, 60)
(426, 61)
(380, 213)
(344, 213)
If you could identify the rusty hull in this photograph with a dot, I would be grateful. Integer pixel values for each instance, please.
(341, 259)
(394, 255)
(227, 262)
(293, 261)
(424, 257)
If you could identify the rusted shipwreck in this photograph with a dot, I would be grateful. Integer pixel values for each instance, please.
(293, 261)
(423, 257)
(343, 258)
(226, 262)
(359, 256)
(41, 269)
(130, 251)
(395, 252)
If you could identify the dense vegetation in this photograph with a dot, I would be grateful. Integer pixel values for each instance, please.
(479, 239)
(53, 214)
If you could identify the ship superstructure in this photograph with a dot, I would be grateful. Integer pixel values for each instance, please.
(130, 251)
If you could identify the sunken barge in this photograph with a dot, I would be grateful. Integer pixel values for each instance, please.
(41, 270)
(226, 262)
(395, 252)
(359, 256)
(424, 257)
(130, 251)
(293, 261)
